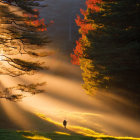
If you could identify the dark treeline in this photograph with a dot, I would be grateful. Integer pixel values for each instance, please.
(111, 45)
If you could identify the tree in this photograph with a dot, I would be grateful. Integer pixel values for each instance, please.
(22, 35)
(111, 57)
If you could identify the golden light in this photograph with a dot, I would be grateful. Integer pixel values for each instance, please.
(62, 133)
(1, 55)
(37, 137)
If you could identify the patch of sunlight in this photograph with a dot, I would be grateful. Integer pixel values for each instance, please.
(88, 132)
(84, 131)
(127, 138)
(48, 119)
(36, 137)
(1, 54)
(62, 133)
(78, 129)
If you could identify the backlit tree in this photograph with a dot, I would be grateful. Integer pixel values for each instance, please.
(22, 36)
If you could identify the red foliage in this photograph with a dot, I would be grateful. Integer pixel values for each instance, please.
(34, 21)
(78, 49)
(85, 26)
(83, 12)
(74, 59)
(93, 5)
(78, 52)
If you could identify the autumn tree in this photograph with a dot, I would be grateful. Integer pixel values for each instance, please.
(22, 36)
(111, 53)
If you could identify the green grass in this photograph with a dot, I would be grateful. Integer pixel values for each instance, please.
(34, 135)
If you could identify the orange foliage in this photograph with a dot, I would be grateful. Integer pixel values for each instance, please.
(83, 12)
(85, 26)
(74, 59)
(78, 49)
(93, 5)
(38, 23)
(78, 52)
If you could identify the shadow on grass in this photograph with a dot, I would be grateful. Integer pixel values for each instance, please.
(28, 135)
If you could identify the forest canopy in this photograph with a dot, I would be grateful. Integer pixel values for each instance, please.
(109, 45)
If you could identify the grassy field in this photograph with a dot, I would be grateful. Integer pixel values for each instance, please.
(57, 135)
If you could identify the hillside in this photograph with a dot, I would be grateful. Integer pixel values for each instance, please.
(31, 135)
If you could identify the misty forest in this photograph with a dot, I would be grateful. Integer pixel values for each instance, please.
(69, 69)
